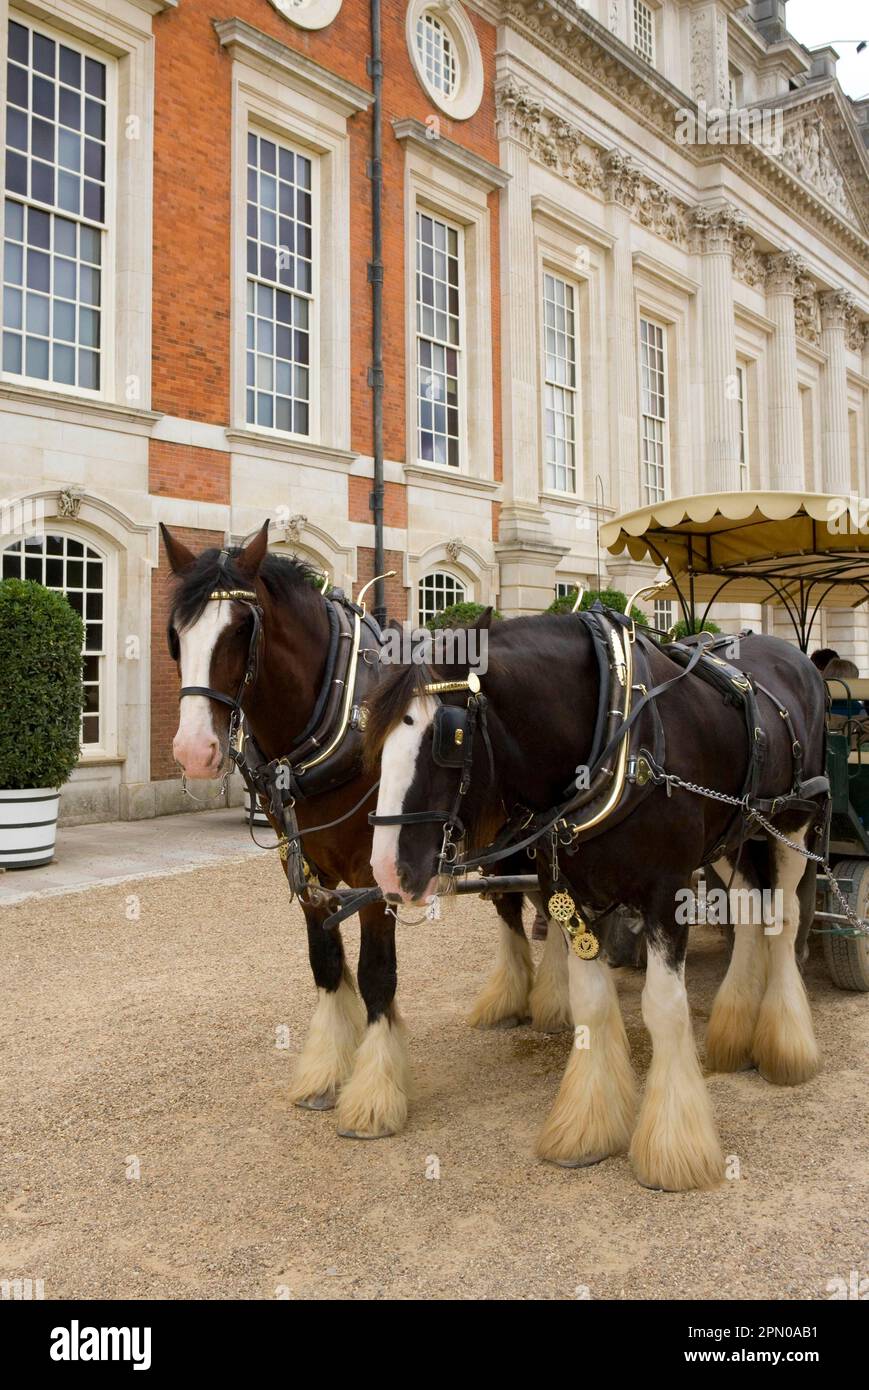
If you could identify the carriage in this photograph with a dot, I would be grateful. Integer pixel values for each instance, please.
(799, 553)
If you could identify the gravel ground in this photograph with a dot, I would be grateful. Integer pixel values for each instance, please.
(152, 1042)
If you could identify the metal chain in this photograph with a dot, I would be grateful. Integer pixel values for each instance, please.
(857, 926)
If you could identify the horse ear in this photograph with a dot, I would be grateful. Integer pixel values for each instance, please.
(484, 620)
(180, 558)
(248, 561)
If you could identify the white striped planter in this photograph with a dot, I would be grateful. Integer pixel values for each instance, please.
(28, 827)
(259, 815)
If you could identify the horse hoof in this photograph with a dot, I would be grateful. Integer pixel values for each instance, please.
(579, 1162)
(325, 1101)
(359, 1134)
(510, 1021)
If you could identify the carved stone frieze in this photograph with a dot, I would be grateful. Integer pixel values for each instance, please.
(806, 319)
(806, 151)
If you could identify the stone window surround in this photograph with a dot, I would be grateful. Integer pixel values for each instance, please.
(469, 93)
(308, 14)
(283, 93)
(668, 306)
(126, 281)
(562, 249)
(436, 182)
(479, 576)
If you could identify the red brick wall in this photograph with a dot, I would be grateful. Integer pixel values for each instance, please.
(394, 502)
(164, 675)
(192, 180)
(180, 470)
(396, 593)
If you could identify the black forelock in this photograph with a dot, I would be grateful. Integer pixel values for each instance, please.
(285, 577)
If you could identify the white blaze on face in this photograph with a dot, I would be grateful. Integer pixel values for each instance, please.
(397, 766)
(196, 746)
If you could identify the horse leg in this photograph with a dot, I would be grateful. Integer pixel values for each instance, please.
(784, 1041)
(550, 995)
(373, 1102)
(596, 1101)
(730, 1034)
(503, 1001)
(675, 1144)
(333, 1036)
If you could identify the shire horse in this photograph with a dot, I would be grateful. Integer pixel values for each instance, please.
(354, 1060)
(541, 698)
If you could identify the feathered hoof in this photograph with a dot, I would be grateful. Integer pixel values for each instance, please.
(326, 1100)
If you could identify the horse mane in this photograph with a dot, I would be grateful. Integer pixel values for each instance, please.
(285, 577)
(387, 705)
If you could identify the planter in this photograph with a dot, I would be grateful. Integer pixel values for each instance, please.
(259, 815)
(28, 827)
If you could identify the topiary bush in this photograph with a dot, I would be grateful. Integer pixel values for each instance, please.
(681, 629)
(40, 686)
(459, 615)
(610, 598)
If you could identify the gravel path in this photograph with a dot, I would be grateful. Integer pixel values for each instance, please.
(149, 1045)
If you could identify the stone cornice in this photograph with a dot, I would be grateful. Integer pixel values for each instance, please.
(464, 161)
(273, 56)
(585, 48)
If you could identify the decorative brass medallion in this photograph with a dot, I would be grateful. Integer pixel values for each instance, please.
(585, 944)
(561, 907)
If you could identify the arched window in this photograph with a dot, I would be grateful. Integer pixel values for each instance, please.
(436, 54)
(76, 569)
(437, 591)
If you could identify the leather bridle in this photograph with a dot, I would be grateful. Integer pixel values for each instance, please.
(249, 597)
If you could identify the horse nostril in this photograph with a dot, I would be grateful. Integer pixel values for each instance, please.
(404, 875)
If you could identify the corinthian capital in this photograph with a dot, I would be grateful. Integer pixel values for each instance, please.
(784, 270)
(716, 228)
(836, 308)
(517, 112)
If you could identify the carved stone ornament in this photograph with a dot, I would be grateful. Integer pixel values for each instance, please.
(715, 229)
(748, 263)
(69, 501)
(783, 272)
(856, 330)
(295, 526)
(454, 548)
(836, 306)
(806, 320)
(806, 152)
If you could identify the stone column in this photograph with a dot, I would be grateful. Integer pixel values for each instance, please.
(714, 231)
(621, 181)
(526, 551)
(835, 441)
(784, 269)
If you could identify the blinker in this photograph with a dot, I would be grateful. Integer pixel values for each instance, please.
(448, 735)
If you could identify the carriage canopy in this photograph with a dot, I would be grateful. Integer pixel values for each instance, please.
(802, 551)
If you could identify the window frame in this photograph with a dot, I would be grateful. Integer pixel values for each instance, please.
(314, 300)
(107, 746)
(434, 574)
(109, 235)
(641, 8)
(465, 100)
(743, 429)
(662, 328)
(423, 210)
(556, 273)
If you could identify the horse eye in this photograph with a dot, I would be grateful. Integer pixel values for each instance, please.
(408, 719)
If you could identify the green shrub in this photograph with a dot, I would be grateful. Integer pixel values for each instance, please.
(459, 615)
(40, 686)
(681, 629)
(610, 598)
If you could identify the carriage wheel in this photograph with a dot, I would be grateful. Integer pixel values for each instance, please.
(847, 957)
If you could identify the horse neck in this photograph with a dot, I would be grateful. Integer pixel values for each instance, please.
(294, 649)
(542, 711)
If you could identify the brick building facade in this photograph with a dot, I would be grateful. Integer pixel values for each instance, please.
(571, 294)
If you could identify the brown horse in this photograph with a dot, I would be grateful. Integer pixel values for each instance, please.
(353, 1060)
